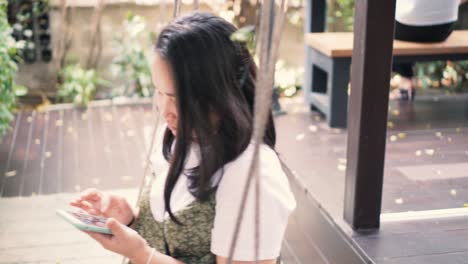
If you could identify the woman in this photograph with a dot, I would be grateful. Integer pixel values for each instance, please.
(421, 21)
(205, 93)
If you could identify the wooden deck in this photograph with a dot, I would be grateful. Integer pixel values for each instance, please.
(427, 136)
(66, 150)
(425, 172)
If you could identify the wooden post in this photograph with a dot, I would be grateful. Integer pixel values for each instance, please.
(95, 47)
(367, 111)
(315, 16)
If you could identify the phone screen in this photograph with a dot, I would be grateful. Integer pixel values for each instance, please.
(89, 219)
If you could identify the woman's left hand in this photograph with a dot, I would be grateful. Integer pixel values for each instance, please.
(124, 241)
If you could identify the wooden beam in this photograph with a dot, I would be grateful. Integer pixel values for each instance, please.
(314, 22)
(367, 111)
(315, 16)
(340, 44)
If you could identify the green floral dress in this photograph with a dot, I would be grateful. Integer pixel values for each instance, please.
(190, 242)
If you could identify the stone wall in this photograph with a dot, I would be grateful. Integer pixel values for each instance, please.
(41, 78)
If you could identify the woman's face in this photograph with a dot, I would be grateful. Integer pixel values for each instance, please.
(164, 96)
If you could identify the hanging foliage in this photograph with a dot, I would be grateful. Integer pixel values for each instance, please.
(9, 90)
(131, 63)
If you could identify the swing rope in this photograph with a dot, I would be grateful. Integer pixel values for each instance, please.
(177, 6)
(268, 53)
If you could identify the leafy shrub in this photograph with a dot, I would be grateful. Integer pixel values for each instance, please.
(9, 90)
(440, 74)
(131, 64)
(79, 85)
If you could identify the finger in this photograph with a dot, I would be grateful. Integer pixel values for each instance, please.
(105, 202)
(90, 190)
(117, 228)
(91, 194)
(91, 197)
(74, 203)
(87, 204)
(93, 211)
(79, 205)
(88, 208)
(82, 205)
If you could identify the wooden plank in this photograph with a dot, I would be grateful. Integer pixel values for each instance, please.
(33, 171)
(298, 249)
(70, 150)
(31, 232)
(112, 149)
(412, 150)
(60, 154)
(5, 143)
(340, 44)
(417, 241)
(104, 162)
(332, 44)
(85, 150)
(136, 122)
(127, 179)
(132, 145)
(43, 154)
(93, 179)
(367, 115)
(448, 257)
(19, 156)
(141, 121)
(27, 159)
(9, 151)
(148, 119)
(325, 241)
(430, 111)
(51, 158)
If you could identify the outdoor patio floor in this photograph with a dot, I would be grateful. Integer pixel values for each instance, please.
(426, 172)
(67, 150)
(426, 161)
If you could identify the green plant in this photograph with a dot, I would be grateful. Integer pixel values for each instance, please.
(79, 85)
(456, 76)
(245, 35)
(40, 7)
(9, 90)
(450, 75)
(288, 79)
(341, 17)
(131, 63)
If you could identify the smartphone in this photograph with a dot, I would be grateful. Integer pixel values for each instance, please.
(85, 221)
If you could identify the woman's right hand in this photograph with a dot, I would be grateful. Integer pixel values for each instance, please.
(96, 202)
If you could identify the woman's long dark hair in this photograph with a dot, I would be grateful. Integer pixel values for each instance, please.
(213, 75)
